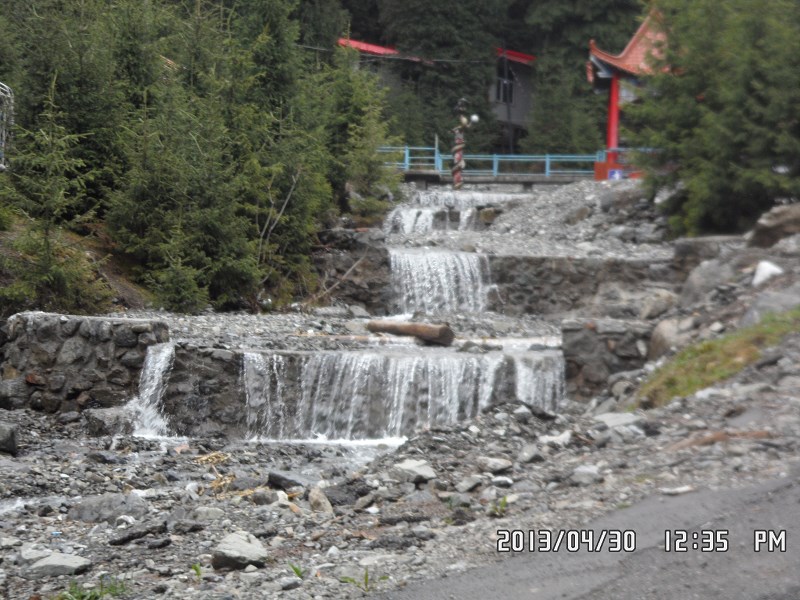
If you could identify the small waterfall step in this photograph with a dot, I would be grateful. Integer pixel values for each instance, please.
(439, 280)
(146, 406)
(371, 395)
(446, 210)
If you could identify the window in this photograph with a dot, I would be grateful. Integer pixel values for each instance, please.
(504, 89)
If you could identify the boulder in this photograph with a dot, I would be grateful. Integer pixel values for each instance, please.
(415, 471)
(765, 271)
(667, 334)
(238, 550)
(657, 304)
(703, 279)
(8, 439)
(494, 465)
(57, 564)
(108, 507)
(319, 501)
(778, 223)
(108, 421)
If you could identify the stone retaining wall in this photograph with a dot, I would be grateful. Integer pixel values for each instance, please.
(66, 363)
(546, 285)
(594, 349)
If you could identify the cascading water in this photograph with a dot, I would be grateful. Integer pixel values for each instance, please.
(431, 280)
(538, 387)
(361, 395)
(149, 420)
(461, 200)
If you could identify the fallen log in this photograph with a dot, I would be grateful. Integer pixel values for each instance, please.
(433, 334)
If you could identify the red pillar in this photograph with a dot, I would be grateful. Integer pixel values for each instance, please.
(612, 137)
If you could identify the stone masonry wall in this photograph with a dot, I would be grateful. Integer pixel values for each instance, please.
(67, 363)
(594, 349)
(546, 285)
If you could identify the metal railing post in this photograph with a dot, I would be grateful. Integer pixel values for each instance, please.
(407, 160)
(547, 165)
(495, 165)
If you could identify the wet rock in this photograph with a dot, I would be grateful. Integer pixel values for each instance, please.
(8, 439)
(108, 421)
(285, 480)
(108, 507)
(57, 564)
(137, 532)
(238, 550)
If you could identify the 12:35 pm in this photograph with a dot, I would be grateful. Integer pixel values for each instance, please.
(703, 540)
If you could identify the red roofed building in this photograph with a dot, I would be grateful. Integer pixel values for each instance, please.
(510, 94)
(619, 74)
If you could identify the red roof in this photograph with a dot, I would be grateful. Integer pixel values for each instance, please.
(512, 55)
(517, 57)
(367, 48)
(634, 59)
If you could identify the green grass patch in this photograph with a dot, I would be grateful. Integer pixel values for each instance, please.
(703, 364)
(108, 588)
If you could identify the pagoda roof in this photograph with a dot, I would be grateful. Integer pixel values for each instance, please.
(634, 59)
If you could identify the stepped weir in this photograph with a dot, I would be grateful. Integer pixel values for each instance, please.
(363, 391)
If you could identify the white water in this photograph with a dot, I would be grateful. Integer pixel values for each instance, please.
(461, 200)
(430, 280)
(149, 418)
(410, 219)
(537, 387)
(365, 395)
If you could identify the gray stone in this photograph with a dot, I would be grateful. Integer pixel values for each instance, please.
(108, 508)
(703, 279)
(290, 583)
(74, 350)
(319, 501)
(666, 335)
(286, 480)
(125, 337)
(57, 564)
(108, 421)
(502, 481)
(586, 475)
(768, 302)
(358, 312)
(616, 419)
(31, 553)
(264, 497)
(468, 484)
(657, 304)
(530, 453)
(237, 550)
(208, 513)
(494, 465)
(415, 471)
(778, 223)
(523, 414)
(8, 439)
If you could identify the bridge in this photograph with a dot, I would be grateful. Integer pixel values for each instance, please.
(428, 164)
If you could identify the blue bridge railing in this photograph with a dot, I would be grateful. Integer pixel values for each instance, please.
(428, 158)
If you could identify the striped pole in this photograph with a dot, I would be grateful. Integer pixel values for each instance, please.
(458, 144)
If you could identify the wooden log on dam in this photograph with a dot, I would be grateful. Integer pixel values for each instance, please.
(433, 334)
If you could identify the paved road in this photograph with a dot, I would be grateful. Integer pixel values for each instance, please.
(650, 573)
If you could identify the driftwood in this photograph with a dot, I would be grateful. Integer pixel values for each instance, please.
(433, 334)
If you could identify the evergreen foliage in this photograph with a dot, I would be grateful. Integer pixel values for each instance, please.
(722, 111)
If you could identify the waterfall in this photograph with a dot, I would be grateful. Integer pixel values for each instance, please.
(430, 280)
(264, 377)
(366, 395)
(461, 200)
(149, 420)
(537, 384)
(409, 220)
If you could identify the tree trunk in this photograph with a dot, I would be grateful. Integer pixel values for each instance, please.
(433, 334)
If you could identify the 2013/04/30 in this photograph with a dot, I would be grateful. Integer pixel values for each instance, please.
(570, 540)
